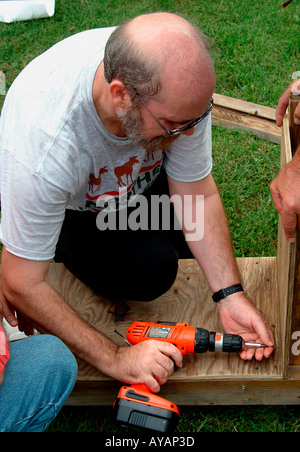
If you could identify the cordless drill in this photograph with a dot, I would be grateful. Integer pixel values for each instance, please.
(135, 404)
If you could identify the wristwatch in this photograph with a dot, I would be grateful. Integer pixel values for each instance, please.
(223, 293)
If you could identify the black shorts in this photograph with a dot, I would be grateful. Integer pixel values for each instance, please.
(122, 264)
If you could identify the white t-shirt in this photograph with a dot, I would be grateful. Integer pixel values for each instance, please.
(56, 153)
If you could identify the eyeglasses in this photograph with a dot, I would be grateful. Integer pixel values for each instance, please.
(189, 125)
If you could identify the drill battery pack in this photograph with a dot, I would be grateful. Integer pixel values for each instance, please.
(135, 406)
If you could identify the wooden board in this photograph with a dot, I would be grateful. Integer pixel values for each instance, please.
(286, 254)
(294, 129)
(234, 113)
(203, 392)
(189, 300)
(291, 142)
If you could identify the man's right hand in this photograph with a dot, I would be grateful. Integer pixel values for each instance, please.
(148, 362)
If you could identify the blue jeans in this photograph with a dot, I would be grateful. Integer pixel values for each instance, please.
(39, 377)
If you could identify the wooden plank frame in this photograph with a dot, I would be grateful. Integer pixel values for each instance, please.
(211, 378)
(238, 114)
(292, 144)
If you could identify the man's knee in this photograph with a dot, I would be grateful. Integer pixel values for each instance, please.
(159, 277)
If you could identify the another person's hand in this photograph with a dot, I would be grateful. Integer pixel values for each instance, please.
(284, 102)
(285, 188)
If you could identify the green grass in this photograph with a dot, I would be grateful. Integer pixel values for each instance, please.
(244, 167)
(194, 420)
(255, 46)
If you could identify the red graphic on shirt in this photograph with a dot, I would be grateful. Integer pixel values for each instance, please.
(125, 170)
(148, 170)
(96, 181)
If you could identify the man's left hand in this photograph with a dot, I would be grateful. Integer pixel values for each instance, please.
(239, 316)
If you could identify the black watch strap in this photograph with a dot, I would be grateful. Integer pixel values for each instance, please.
(223, 293)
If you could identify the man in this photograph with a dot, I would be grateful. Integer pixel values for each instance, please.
(285, 188)
(76, 129)
(36, 377)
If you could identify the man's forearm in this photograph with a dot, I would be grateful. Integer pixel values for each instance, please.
(214, 251)
(49, 313)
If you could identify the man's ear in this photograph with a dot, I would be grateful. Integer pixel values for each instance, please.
(120, 95)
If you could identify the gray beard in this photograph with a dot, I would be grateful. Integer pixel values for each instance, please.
(132, 125)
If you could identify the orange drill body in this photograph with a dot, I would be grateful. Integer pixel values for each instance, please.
(180, 334)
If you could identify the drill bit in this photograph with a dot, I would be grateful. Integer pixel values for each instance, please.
(127, 342)
(254, 344)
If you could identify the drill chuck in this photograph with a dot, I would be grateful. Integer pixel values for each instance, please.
(216, 342)
(228, 343)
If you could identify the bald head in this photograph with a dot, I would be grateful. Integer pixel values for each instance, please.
(158, 52)
(159, 26)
